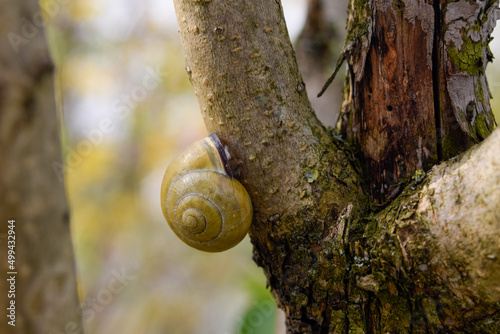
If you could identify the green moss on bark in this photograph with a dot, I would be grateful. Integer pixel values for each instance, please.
(481, 128)
(469, 58)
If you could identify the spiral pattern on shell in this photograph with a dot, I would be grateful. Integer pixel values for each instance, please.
(194, 215)
(204, 206)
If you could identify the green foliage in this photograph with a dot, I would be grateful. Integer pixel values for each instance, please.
(259, 318)
(260, 315)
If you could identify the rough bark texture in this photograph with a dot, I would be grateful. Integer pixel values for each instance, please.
(245, 76)
(334, 262)
(418, 93)
(462, 55)
(390, 90)
(433, 254)
(46, 298)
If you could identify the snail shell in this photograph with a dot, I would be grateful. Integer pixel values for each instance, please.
(204, 205)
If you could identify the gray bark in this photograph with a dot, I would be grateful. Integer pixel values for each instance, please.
(33, 193)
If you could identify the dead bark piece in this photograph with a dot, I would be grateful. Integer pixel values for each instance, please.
(467, 28)
(391, 116)
(424, 97)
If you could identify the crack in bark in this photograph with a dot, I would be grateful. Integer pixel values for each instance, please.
(326, 314)
(368, 317)
(348, 258)
(435, 78)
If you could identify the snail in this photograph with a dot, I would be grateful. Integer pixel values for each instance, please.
(203, 203)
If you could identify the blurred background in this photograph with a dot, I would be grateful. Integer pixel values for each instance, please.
(129, 109)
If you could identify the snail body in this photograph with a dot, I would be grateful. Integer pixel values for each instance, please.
(204, 205)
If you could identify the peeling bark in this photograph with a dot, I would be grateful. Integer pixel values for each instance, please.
(391, 112)
(418, 92)
(466, 53)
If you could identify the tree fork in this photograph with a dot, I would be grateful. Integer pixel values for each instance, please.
(333, 266)
(243, 69)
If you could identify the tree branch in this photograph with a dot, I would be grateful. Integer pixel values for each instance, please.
(461, 208)
(243, 69)
(440, 242)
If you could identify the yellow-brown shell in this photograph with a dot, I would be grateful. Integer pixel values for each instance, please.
(205, 207)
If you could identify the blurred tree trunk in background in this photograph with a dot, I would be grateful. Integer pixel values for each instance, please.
(317, 48)
(364, 235)
(32, 191)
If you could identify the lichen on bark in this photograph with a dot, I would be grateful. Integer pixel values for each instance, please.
(466, 36)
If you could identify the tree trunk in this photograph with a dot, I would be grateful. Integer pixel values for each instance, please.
(343, 255)
(44, 287)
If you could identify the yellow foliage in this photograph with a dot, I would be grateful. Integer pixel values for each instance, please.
(87, 75)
